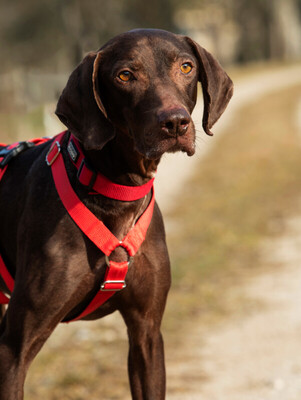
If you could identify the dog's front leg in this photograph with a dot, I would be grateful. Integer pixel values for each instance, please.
(37, 305)
(146, 359)
(22, 334)
(142, 308)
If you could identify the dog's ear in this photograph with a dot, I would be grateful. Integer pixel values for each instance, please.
(80, 107)
(216, 84)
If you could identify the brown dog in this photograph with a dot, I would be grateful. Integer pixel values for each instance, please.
(127, 104)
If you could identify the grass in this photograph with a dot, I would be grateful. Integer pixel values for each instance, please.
(242, 193)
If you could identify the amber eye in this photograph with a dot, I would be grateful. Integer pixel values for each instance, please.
(186, 68)
(125, 76)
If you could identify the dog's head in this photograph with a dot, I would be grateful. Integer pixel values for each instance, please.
(143, 83)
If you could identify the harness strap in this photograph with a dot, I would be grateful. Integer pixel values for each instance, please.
(2, 170)
(95, 230)
(3, 298)
(8, 280)
(114, 281)
(99, 183)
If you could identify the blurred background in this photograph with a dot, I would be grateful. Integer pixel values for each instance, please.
(42, 41)
(237, 224)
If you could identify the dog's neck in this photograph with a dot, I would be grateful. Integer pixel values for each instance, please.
(121, 163)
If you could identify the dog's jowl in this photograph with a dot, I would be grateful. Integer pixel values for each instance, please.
(81, 235)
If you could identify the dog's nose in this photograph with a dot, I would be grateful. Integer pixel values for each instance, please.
(174, 122)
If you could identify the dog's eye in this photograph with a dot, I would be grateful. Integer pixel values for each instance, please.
(186, 68)
(125, 76)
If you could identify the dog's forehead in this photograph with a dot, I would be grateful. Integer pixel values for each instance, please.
(146, 45)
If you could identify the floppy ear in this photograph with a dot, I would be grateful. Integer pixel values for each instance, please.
(216, 84)
(80, 107)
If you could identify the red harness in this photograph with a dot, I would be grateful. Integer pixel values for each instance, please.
(93, 228)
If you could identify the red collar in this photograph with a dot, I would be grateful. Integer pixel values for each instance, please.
(98, 183)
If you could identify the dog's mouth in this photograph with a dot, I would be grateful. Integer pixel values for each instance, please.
(185, 144)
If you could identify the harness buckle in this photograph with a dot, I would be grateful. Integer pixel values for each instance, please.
(86, 175)
(116, 282)
(7, 153)
(53, 153)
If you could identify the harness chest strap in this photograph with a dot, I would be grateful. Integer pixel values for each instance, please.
(3, 270)
(95, 230)
(2, 170)
(4, 273)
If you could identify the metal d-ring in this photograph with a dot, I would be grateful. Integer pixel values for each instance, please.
(129, 260)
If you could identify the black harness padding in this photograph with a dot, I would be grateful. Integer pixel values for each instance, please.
(8, 153)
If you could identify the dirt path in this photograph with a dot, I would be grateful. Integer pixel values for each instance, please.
(255, 354)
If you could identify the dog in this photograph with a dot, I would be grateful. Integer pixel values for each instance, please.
(124, 106)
